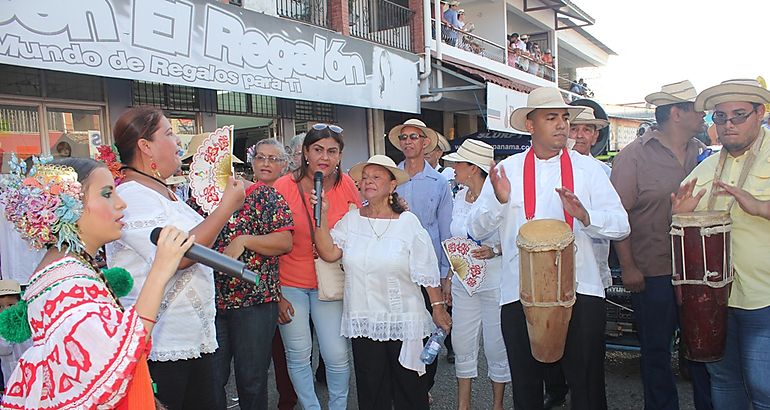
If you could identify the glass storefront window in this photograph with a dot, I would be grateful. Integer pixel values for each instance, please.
(19, 133)
(74, 132)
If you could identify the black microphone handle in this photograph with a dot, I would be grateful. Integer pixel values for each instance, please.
(215, 260)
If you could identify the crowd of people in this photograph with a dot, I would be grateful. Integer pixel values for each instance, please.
(369, 273)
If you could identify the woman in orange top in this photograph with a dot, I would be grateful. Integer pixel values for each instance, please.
(321, 151)
(88, 351)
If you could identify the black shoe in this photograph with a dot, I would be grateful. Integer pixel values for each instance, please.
(550, 402)
(450, 355)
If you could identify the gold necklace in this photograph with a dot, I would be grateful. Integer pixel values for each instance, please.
(377, 235)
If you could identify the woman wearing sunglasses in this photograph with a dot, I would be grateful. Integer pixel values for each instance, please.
(321, 151)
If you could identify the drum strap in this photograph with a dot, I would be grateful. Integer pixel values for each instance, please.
(750, 158)
(530, 191)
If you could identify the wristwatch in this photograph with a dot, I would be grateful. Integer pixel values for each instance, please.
(496, 251)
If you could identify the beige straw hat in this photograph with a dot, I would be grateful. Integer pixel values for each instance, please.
(429, 132)
(587, 117)
(543, 97)
(740, 90)
(9, 287)
(196, 142)
(680, 92)
(383, 161)
(443, 143)
(475, 152)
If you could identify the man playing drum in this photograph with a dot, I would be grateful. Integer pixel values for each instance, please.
(645, 173)
(741, 173)
(594, 210)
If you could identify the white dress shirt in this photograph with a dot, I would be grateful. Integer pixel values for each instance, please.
(601, 245)
(608, 218)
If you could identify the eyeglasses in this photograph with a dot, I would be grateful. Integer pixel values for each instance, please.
(413, 136)
(720, 118)
(334, 128)
(271, 159)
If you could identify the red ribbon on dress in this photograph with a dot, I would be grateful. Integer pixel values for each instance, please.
(530, 192)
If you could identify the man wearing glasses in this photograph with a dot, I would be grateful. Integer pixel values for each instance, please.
(427, 194)
(644, 174)
(739, 177)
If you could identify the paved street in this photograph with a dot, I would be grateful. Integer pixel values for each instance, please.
(624, 387)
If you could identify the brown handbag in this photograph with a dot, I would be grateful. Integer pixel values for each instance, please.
(330, 275)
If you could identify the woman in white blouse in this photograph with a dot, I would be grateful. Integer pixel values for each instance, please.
(180, 362)
(387, 256)
(479, 313)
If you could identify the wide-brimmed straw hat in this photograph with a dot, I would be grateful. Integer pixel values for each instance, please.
(443, 144)
(429, 132)
(383, 161)
(475, 152)
(9, 287)
(587, 117)
(196, 142)
(680, 92)
(543, 97)
(740, 90)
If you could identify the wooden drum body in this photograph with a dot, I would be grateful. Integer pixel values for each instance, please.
(547, 284)
(702, 273)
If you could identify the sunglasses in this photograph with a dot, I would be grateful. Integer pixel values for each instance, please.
(720, 118)
(413, 136)
(334, 128)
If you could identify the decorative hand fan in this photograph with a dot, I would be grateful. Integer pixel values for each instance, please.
(211, 166)
(469, 270)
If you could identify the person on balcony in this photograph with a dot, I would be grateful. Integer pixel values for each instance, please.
(547, 58)
(453, 23)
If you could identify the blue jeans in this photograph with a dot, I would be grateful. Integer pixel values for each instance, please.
(657, 318)
(743, 374)
(298, 344)
(245, 336)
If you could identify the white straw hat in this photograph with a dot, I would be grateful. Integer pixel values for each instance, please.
(587, 117)
(740, 90)
(9, 287)
(429, 132)
(383, 161)
(680, 92)
(543, 97)
(475, 152)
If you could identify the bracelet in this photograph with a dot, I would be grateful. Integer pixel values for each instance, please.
(147, 319)
(441, 302)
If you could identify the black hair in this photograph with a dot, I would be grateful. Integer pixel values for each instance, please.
(663, 112)
(313, 136)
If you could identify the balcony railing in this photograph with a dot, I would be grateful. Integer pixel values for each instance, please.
(381, 21)
(315, 12)
(468, 41)
(478, 45)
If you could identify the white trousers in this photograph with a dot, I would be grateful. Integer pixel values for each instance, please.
(473, 316)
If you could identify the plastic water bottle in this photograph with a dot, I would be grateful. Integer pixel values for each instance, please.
(431, 349)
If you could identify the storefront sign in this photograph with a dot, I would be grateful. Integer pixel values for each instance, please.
(209, 45)
(501, 102)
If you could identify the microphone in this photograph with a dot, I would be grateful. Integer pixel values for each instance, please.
(213, 259)
(318, 179)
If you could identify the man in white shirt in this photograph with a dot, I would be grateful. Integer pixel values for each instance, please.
(584, 132)
(596, 212)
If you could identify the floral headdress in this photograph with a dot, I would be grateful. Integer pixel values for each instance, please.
(45, 204)
(110, 156)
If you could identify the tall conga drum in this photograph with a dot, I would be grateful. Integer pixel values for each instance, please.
(702, 273)
(547, 284)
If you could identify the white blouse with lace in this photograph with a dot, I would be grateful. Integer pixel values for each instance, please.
(383, 300)
(185, 327)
